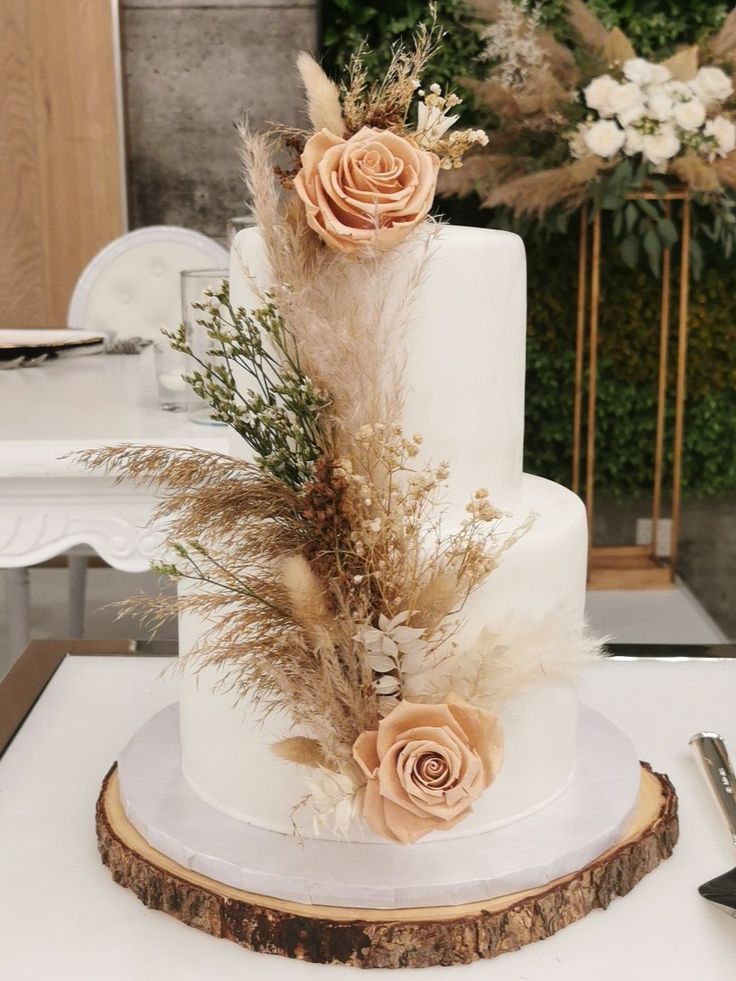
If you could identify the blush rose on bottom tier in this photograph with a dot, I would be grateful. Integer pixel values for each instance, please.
(425, 765)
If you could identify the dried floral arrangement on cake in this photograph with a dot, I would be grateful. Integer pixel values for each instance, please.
(589, 121)
(332, 588)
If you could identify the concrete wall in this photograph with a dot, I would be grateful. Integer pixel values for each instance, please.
(192, 69)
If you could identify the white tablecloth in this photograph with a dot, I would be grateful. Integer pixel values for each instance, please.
(63, 919)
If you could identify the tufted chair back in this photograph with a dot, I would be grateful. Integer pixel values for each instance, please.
(131, 287)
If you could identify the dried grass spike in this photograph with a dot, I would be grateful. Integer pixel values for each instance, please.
(306, 594)
(323, 96)
(303, 751)
(436, 600)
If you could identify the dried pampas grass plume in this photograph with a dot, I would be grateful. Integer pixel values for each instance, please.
(726, 170)
(323, 96)
(520, 654)
(723, 45)
(535, 194)
(587, 25)
(552, 649)
(697, 173)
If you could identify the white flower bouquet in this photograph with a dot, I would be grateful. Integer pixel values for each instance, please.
(589, 121)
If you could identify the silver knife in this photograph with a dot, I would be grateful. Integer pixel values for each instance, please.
(712, 755)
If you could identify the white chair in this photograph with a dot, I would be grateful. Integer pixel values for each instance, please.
(131, 287)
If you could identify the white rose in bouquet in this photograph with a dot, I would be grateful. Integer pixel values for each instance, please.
(659, 103)
(661, 146)
(724, 133)
(643, 72)
(679, 91)
(689, 115)
(604, 138)
(711, 85)
(599, 94)
(633, 141)
(627, 101)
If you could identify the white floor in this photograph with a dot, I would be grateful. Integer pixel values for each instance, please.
(652, 616)
(104, 587)
(643, 616)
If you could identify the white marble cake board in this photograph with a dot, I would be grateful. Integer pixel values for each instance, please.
(587, 819)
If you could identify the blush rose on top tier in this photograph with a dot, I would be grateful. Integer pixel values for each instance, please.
(367, 192)
(425, 766)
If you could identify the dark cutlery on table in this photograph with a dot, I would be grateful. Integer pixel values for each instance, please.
(712, 754)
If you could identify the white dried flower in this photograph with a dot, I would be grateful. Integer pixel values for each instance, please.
(660, 104)
(604, 138)
(432, 124)
(711, 85)
(689, 115)
(599, 94)
(633, 142)
(626, 99)
(661, 146)
(631, 114)
(723, 131)
(391, 640)
(644, 72)
(335, 798)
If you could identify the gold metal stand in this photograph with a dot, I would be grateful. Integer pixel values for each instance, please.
(630, 566)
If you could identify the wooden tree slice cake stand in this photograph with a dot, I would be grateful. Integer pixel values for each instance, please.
(422, 937)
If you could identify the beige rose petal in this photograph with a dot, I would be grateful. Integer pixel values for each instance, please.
(408, 828)
(407, 717)
(484, 734)
(364, 752)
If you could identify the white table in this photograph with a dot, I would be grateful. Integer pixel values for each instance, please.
(47, 504)
(62, 917)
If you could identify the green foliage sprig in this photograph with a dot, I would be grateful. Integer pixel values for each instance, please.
(279, 417)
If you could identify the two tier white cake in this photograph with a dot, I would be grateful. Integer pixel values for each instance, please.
(465, 392)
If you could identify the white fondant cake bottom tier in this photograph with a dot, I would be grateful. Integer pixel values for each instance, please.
(226, 751)
(592, 815)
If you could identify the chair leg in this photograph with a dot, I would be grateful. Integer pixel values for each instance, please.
(77, 592)
(18, 603)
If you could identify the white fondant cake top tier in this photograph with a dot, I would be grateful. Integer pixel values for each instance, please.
(466, 341)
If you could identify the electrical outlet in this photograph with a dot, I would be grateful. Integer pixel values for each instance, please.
(664, 535)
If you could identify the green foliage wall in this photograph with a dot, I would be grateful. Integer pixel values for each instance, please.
(629, 327)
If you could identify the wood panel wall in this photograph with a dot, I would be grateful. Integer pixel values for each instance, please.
(61, 171)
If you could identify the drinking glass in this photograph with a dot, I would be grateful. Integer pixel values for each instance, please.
(237, 224)
(171, 366)
(194, 282)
